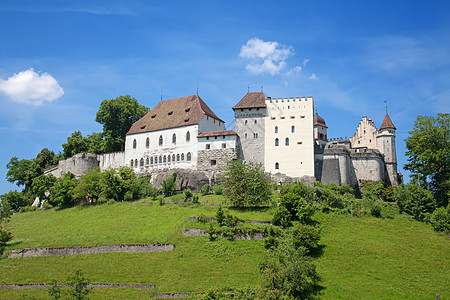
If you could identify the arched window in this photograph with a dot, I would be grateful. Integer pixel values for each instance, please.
(160, 159)
(174, 138)
(188, 136)
(173, 157)
(141, 162)
(276, 129)
(182, 156)
(164, 159)
(277, 166)
(188, 156)
(256, 121)
(178, 157)
(321, 136)
(147, 162)
(160, 140)
(168, 158)
(293, 129)
(147, 142)
(135, 163)
(156, 159)
(287, 142)
(134, 144)
(277, 142)
(246, 122)
(131, 163)
(246, 135)
(151, 160)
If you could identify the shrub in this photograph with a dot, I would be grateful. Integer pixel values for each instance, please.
(440, 219)
(220, 215)
(201, 218)
(414, 200)
(169, 186)
(111, 201)
(205, 190)
(195, 199)
(218, 190)
(46, 205)
(282, 217)
(27, 208)
(305, 236)
(270, 242)
(188, 193)
(376, 211)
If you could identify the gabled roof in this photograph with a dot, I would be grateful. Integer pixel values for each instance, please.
(173, 113)
(387, 123)
(217, 133)
(252, 100)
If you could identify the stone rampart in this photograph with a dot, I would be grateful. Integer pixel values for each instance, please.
(112, 160)
(215, 159)
(78, 165)
(56, 251)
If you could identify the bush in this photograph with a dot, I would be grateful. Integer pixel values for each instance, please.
(218, 190)
(305, 236)
(111, 201)
(205, 190)
(169, 186)
(282, 217)
(270, 242)
(201, 218)
(46, 205)
(415, 201)
(220, 215)
(195, 199)
(440, 219)
(27, 208)
(376, 211)
(188, 193)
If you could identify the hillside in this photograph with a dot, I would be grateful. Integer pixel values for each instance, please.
(361, 256)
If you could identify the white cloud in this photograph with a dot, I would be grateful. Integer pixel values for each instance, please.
(306, 61)
(313, 76)
(294, 70)
(31, 88)
(267, 57)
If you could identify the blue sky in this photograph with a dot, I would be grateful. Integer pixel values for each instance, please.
(60, 59)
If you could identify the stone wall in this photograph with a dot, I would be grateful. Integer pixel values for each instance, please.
(187, 179)
(368, 165)
(112, 160)
(55, 251)
(215, 159)
(79, 164)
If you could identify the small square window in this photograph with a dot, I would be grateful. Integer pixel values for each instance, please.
(224, 145)
(213, 162)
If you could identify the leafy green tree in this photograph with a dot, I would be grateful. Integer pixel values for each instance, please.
(429, 155)
(117, 115)
(129, 182)
(78, 283)
(440, 219)
(18, 172)
(90, 185)
(414, 200)
(15, 200)
(169, 186)
(5, 235)
(62, 193)
(76, 143)
(246, 184)
(41, 185)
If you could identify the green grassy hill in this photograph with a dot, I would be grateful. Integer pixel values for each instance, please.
(361, 257)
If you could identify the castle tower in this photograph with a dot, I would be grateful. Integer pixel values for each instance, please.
(386, 145)
(320, 131)
(249, 116)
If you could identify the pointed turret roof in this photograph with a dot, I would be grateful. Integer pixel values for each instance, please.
(173, 113)
(252, 100)
(387, 123)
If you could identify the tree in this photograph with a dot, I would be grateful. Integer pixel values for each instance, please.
(15, 200)
(78, 286)
(90, 185)
(18, 172)
(63, 191)
(117, 115)
(246, 184)
(169, 186)
(41, 185)
(5, 236)
(76, 143)
(429, 155)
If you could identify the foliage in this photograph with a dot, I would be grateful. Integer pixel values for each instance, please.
(282, 217)
(376, 211)
(195, 199)
(54, 290)
(288, 273)
(15, 200)
(429, 155)
(76, 143)
(220, 215)
(145, 188)
(332, 195)
(188, 193)
(169, 186)
(90, 185)
(62, 193)
(41, 185)
(298, 208)
(117, 115)
(218, 190)
(205, 190)
(246, 184)
(414, 200)
(440, 219)
(372, 190)
(305, 236)
(78, 287)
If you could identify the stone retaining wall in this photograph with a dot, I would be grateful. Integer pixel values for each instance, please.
(54, 251)
(92, 285)
(201, 232)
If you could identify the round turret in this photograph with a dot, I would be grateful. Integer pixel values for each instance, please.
(319, 121)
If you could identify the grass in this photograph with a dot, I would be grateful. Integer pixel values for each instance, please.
(361, 257)
(382, 258)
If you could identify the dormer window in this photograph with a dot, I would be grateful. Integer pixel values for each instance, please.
(170, 113)
(153, 116)
(187, 109)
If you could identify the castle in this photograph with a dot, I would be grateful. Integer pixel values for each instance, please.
(284, 135)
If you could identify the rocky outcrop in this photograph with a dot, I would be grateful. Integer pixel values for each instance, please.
(187, 179)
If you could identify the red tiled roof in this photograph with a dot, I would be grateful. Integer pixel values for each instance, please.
(173, 113)
(387, 123)
(217, 133)
(252, 100)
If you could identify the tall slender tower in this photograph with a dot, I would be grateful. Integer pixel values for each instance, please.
(386, 145)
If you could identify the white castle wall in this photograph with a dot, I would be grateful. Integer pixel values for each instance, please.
(297, 158)
(112, 160)
(365, 135)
